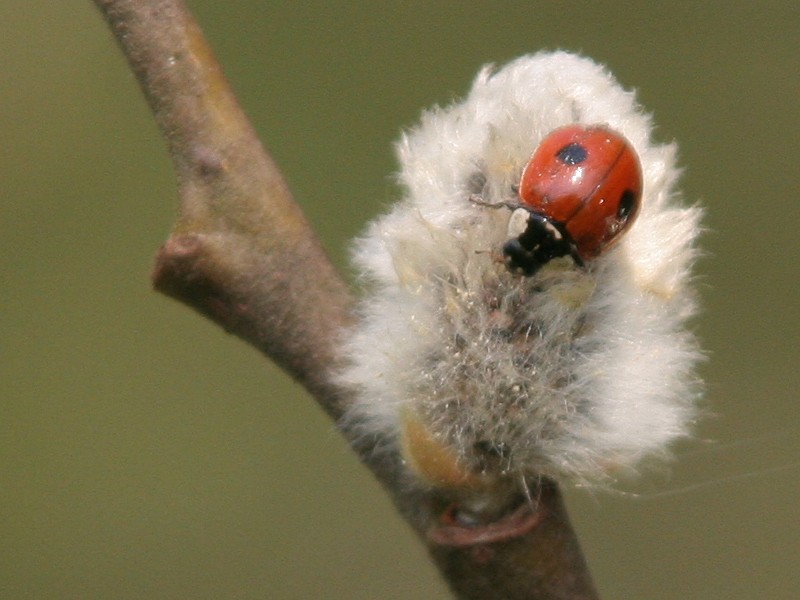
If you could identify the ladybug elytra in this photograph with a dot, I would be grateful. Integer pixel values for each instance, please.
(582, 189)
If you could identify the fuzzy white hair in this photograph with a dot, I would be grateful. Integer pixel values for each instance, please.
(576, 373)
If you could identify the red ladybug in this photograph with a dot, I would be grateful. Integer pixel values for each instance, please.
(582, 188)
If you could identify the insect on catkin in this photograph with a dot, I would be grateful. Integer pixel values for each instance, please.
(528, 295)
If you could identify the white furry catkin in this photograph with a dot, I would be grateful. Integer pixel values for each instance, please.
(473, 372)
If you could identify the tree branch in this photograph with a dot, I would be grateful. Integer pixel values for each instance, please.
(243, 254)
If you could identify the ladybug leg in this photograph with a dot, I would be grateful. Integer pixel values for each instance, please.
(476, 199)
(542, 241)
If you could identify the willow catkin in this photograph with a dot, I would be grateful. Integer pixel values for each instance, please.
(474, 372)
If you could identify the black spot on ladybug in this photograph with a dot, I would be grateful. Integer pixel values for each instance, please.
(572, 154)
(626, 203)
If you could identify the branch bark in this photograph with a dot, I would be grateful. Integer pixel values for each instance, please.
(243, 254)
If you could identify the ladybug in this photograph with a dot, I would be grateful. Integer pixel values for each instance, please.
(581, 189)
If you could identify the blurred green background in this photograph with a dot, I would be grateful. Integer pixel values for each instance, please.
(145, 454)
